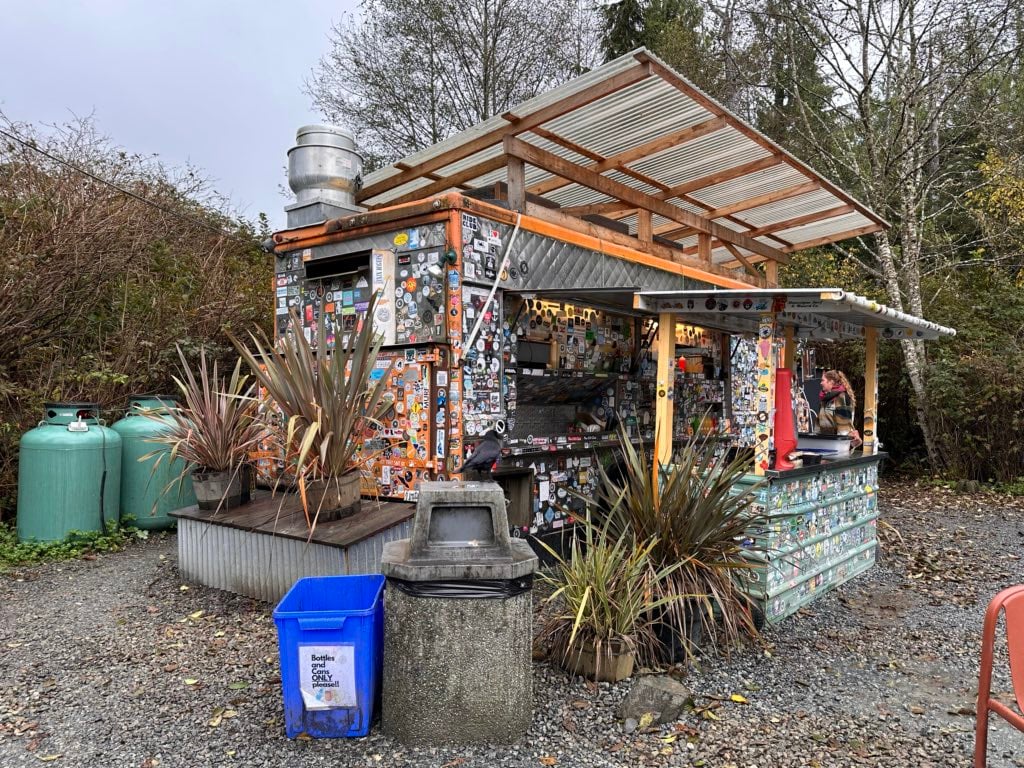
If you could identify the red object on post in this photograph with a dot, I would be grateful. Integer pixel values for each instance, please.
(785, 432)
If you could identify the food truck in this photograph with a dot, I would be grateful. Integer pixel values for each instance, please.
(604, 254)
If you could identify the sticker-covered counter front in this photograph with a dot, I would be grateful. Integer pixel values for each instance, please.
(821, 531)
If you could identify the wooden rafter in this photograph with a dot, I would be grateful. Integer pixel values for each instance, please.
(619, 161)
(819, 241)
(684, 87)
(827, 239)
(747, 265)
(796, 221)
(490, 138)
(594, 209)
(446, 183)
(710, 180)
(561, 167)
(750, 202)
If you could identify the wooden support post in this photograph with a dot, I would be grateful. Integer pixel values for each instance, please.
(644, 229)
(765, 391)
(789, 353)
(704, 247)
(771, 272)
(516, 184)
(870, 435)
(664, 393)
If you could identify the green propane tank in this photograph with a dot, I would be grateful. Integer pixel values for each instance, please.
(142, 490)
(69, 474)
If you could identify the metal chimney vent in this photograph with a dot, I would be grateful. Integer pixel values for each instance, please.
(324, 172)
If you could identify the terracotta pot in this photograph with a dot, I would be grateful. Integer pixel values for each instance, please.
(616, 662)
(335, 497)
(222, 490)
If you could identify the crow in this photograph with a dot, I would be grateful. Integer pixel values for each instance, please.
(485, 453)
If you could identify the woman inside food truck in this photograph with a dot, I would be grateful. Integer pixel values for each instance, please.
(838, 406)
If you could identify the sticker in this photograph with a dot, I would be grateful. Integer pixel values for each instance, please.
(327, 678)
(401, 238)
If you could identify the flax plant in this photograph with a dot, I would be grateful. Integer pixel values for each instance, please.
(330, 401)
(215, 429)
(605, 592)
(700, 517)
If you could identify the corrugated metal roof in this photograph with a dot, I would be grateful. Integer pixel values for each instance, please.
(830, 313)
(636, 122)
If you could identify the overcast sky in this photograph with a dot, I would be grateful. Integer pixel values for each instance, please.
(217, 83)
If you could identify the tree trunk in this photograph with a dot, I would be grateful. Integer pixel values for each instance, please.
(912, 350)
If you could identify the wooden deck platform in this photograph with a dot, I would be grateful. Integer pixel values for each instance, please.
(260, 549)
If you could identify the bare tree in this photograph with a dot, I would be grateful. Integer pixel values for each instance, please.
(408, 73)
(900, 74)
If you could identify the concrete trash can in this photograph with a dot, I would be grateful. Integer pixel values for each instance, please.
(458, 626)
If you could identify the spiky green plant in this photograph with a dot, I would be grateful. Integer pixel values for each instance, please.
(215, 428)
(700, 517)
(329, 401)
(604, 593)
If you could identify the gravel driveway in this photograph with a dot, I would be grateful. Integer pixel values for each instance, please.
(115, 662)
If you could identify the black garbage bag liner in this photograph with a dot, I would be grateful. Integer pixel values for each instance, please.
(483, 589)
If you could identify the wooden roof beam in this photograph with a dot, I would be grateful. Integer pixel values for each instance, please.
(752, 202)
(747, 265)
(660, 144)
(588, 178)
(718, 177)
(828, 239)
(778, 226)
(594, 209)
(446, 183)
(487, 139)
(753, 134)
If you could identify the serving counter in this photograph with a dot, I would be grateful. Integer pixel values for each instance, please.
(821, 530)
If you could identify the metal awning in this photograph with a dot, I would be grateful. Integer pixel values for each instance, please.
(820, 313)
(634, 126)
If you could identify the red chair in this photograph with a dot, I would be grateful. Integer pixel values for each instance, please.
(1011, 601)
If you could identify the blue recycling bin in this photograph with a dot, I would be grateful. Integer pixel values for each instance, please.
(330, 633)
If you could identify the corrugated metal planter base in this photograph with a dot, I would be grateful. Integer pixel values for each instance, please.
(264, 566)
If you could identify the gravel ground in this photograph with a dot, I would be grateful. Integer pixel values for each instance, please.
(115, 662)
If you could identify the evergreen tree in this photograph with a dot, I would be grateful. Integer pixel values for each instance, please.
(624, 25)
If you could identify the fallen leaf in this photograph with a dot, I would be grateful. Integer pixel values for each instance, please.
(230, 713)
(196, 615)
(49, 758)
(230, 752)
(455, 762)
(218, 716)
(548, 760)
(616, 746)
(238, 685)
(669, 739)
(580, 704)
(738, 698)
(645, 720)
(710, 715)
(183, 587)
(219, 634)
(666, 750)
(190, 681)
(917, 710)
(304, 737)
(150, 762)
(170, 667)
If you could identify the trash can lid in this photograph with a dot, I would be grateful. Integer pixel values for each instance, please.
(460, 532)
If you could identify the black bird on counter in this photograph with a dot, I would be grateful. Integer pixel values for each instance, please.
(485, 453)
